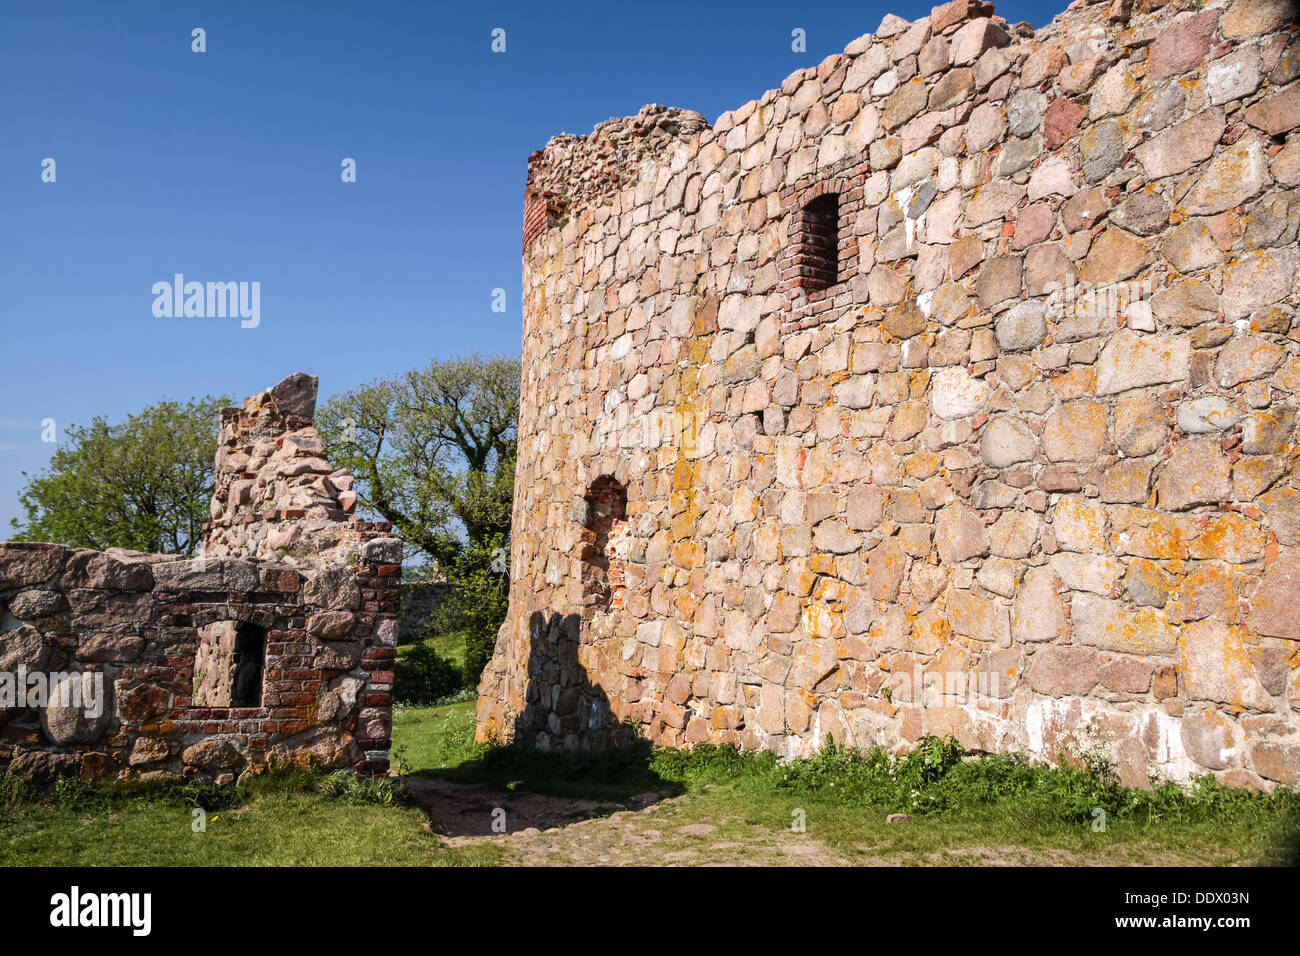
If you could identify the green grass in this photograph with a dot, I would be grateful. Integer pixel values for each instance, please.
(439, 742)
(431, 671)
(290, 820)
(450, 645)
(936, 778)
(434, 738)
(961, 809)
(617, 775)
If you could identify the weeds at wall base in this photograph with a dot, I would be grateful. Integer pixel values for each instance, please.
(72, 793)
(936, 778)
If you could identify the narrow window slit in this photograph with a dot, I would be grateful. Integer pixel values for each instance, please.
(228, 665)
(818, 240)
(603, 575)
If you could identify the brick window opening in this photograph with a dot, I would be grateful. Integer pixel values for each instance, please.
(228, 665)
(817, 243)
(604, 580)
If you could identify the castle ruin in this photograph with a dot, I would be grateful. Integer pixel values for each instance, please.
(273, 648)
(950, 388)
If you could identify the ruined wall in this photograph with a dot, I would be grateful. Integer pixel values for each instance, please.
(276, 495)
(119, 664)
(420, 598)
(1012, 459)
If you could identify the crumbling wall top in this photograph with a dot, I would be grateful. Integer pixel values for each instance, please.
(276, 495)
(572, 173)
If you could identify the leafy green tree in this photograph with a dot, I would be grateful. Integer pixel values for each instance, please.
(144, 483)
(476, 601)
(433, 451)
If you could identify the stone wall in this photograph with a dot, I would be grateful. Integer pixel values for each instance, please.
(420, 598)
(1010, 458)
(276, 495)
(148, 642)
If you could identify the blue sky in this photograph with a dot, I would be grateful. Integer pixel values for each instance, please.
(225, 166)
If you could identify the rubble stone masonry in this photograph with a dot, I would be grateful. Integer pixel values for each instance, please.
(274, 648)
(950, 388)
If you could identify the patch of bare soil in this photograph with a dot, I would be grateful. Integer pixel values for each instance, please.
(540, 830)
(461, 812)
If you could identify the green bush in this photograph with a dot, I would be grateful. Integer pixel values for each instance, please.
(350, 789)
(476, 601)
(13, 790)
(72, 793)
(424, 676)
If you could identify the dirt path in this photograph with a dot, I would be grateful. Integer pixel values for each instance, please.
(542, 830)
(557, 831)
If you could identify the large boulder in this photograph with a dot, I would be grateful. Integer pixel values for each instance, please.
(296, 395)
(320, 748)
(78, 710)
(24, 647)
(333, 589)
(42, 769)
(214, 754)
(24, 563)
(95, 569)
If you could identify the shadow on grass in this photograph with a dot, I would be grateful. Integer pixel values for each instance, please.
(570, 759)
(619, 775)
(567, 741)
(513, 787)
